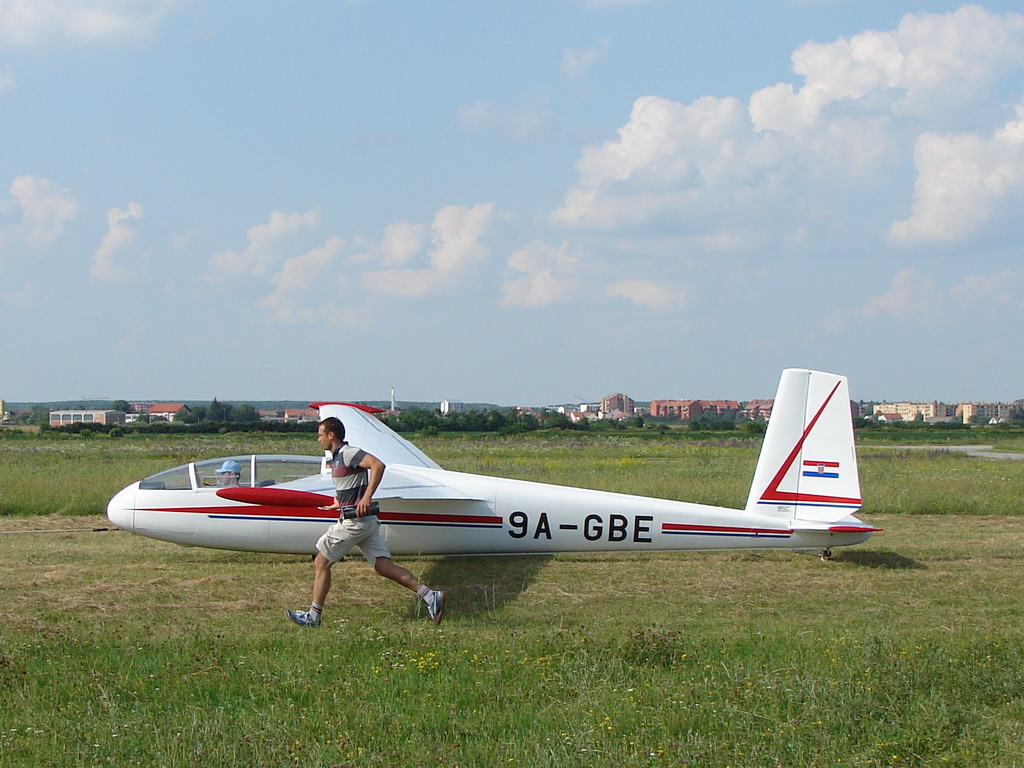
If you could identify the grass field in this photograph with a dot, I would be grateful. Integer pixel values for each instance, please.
(907, 650)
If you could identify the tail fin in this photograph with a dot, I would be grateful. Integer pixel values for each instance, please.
(366, 431)
(808, 466)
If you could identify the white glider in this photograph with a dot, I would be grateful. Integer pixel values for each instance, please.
(805, 492)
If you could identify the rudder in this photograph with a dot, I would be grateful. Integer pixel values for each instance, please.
(808, 465)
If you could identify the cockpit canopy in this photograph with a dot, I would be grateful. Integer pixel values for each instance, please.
(257, 471)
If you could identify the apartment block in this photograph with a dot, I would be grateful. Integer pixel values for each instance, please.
(758, 410)
(998, 412)
(914, 411)
(618, 403)
(676, 409)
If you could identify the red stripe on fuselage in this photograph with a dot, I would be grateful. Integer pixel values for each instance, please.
(720, 528)
(415, 517)
(327, 515)
(250, 510)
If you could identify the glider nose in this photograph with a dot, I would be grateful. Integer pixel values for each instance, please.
(121, 508)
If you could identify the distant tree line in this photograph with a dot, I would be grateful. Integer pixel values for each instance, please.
(217, 417)
(506, 421)
(221, 417)
(217, 411)
(181, 428)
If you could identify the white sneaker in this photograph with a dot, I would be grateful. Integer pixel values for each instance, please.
(435, 605)
(303, 618)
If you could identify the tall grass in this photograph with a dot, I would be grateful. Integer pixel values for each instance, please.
(71, 475)
(937, 482)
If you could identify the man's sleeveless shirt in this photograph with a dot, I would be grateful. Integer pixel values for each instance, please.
(350, 480)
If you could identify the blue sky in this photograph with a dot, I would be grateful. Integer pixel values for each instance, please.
(520, 203)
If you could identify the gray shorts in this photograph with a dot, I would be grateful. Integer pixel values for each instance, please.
(361, 532)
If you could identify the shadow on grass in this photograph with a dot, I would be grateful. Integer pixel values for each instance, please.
(477, 585)
(871, 559)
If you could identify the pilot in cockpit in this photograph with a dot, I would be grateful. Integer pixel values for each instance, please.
(228, 473)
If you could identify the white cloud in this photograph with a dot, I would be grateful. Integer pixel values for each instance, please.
(960, 178)
(43, 208)
(668, 143)
(457, 231)
(529, 118)
(400, 244)
(991, 294)
(264, 246)
(119, 234)
(577, 62)
(32, 22)
(22, 299)
(547, 276)
(662, 158)
(915, 299)
(455, 249)
(810, 157)
(930, 62)
(911, 296)
(658, 295)
(405, 283)
(294, 285)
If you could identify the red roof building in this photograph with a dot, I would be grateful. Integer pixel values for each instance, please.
(168, 411)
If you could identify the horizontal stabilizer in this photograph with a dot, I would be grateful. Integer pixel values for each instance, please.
(817, 526)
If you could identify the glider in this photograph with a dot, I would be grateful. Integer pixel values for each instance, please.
(804, 494)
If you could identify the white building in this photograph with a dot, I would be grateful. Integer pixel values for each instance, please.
(74, 416)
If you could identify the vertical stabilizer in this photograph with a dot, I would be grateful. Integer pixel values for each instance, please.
(808, 467)
(366, 431)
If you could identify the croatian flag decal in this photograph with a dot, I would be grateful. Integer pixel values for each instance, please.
(821, 469)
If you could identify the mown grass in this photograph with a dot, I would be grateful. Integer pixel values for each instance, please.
(118, 650)
(905, 651)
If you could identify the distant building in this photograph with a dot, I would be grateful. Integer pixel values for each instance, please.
(618, 403)
(758, 410)
(168, 411)
(452, 406)
(720, 406)
(72, 416)
(290, 415)
(914, 411)
(691, 409)
(676, 409)
(994, 413)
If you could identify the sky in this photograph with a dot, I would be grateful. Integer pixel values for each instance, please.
(522, 203)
